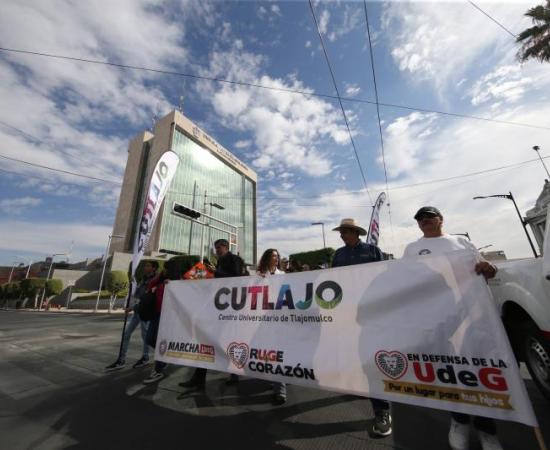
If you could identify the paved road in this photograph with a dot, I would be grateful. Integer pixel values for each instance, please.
(55, 395)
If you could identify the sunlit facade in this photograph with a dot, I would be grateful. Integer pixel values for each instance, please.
(209, 179)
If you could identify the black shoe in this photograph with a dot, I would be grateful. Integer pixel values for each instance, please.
(192, 383)
(233, 379)
(141, 362)
(382, 423)
(117, 365)
(279, 399)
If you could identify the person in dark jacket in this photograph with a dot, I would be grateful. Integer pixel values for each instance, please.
(229, 265)
(149, 272)
(353, 252)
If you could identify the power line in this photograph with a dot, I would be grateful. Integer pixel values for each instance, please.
(378, 114)
(61, 170)
(40, 141)
(343, 194)
(493, 19)
(340, 101)
(259, 86)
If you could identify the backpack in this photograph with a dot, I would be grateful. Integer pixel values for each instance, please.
(146, 306)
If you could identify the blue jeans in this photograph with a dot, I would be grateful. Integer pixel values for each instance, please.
(132, 325)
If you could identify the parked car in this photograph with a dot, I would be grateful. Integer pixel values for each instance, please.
(522, 292)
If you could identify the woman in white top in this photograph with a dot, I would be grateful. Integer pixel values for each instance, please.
(268, 266)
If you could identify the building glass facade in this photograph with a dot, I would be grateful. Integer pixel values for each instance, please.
(201, 172)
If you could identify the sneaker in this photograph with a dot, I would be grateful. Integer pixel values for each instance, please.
(382, 423)
(459, 435)
(489, 441)
(141, 362)
(117, 365)
(154, 377)
(279, 399)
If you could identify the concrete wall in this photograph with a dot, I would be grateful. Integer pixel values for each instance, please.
(79, 278)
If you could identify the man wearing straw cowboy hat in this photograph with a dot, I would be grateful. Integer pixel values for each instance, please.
(355, 251)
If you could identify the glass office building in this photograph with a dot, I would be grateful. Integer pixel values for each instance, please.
(205, 183)
(209, 179)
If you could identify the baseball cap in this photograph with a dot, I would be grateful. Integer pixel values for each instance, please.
(429, 210)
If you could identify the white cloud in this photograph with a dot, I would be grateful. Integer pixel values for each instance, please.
(351, 89)
(505, 83)
(15, 206)
(442, 44)
(47, 238)
(245, 143)
(276, 10)
(404, 142)
(308, 44)
(287, 129)
(323, 21)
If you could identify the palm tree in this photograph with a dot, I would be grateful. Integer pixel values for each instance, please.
(536, 40)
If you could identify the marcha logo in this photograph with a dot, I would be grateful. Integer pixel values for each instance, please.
(260, 295)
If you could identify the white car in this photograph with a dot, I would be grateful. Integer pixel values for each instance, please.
(521, 289)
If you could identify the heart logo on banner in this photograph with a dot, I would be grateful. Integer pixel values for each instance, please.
(238, 353)
(393, 364)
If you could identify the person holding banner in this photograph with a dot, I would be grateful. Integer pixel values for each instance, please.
(268, 266)
(229, 265)
(435, 242)
(356, 251)
(149, 272)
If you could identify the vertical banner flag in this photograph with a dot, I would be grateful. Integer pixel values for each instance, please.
(420, 331)
(374, 226)
(158, 186)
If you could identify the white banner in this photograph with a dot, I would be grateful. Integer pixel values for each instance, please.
(158, 186)
(374, 226)
(424, 332)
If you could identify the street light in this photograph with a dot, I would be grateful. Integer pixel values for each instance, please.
(111, 236)
(509, 196)
(217, 206)
(537, 148)
(466, 234)
(48, 277)
(485, 246)
(323, 229)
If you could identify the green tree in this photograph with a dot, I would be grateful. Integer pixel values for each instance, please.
(536, 39)
(32, 287)
(117, 283)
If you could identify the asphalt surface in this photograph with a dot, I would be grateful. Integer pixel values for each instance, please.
(54, 394)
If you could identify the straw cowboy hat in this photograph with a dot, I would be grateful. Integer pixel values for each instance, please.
(351, 224)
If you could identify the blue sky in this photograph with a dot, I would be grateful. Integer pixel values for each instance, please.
(450, 57)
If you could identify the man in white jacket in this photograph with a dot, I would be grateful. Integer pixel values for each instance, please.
(435, 242)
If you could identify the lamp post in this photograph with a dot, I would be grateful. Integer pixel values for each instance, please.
(466, 234)
(111, 236)
(484, 247)
(217, 206)
(537, 148)
(323, 229)
(509, 196)
(47, 278)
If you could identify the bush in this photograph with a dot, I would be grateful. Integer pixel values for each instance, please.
(314, 258)
(13, 290)
(32, 286)
(139, 271)
(54, 287)
(117, 282)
